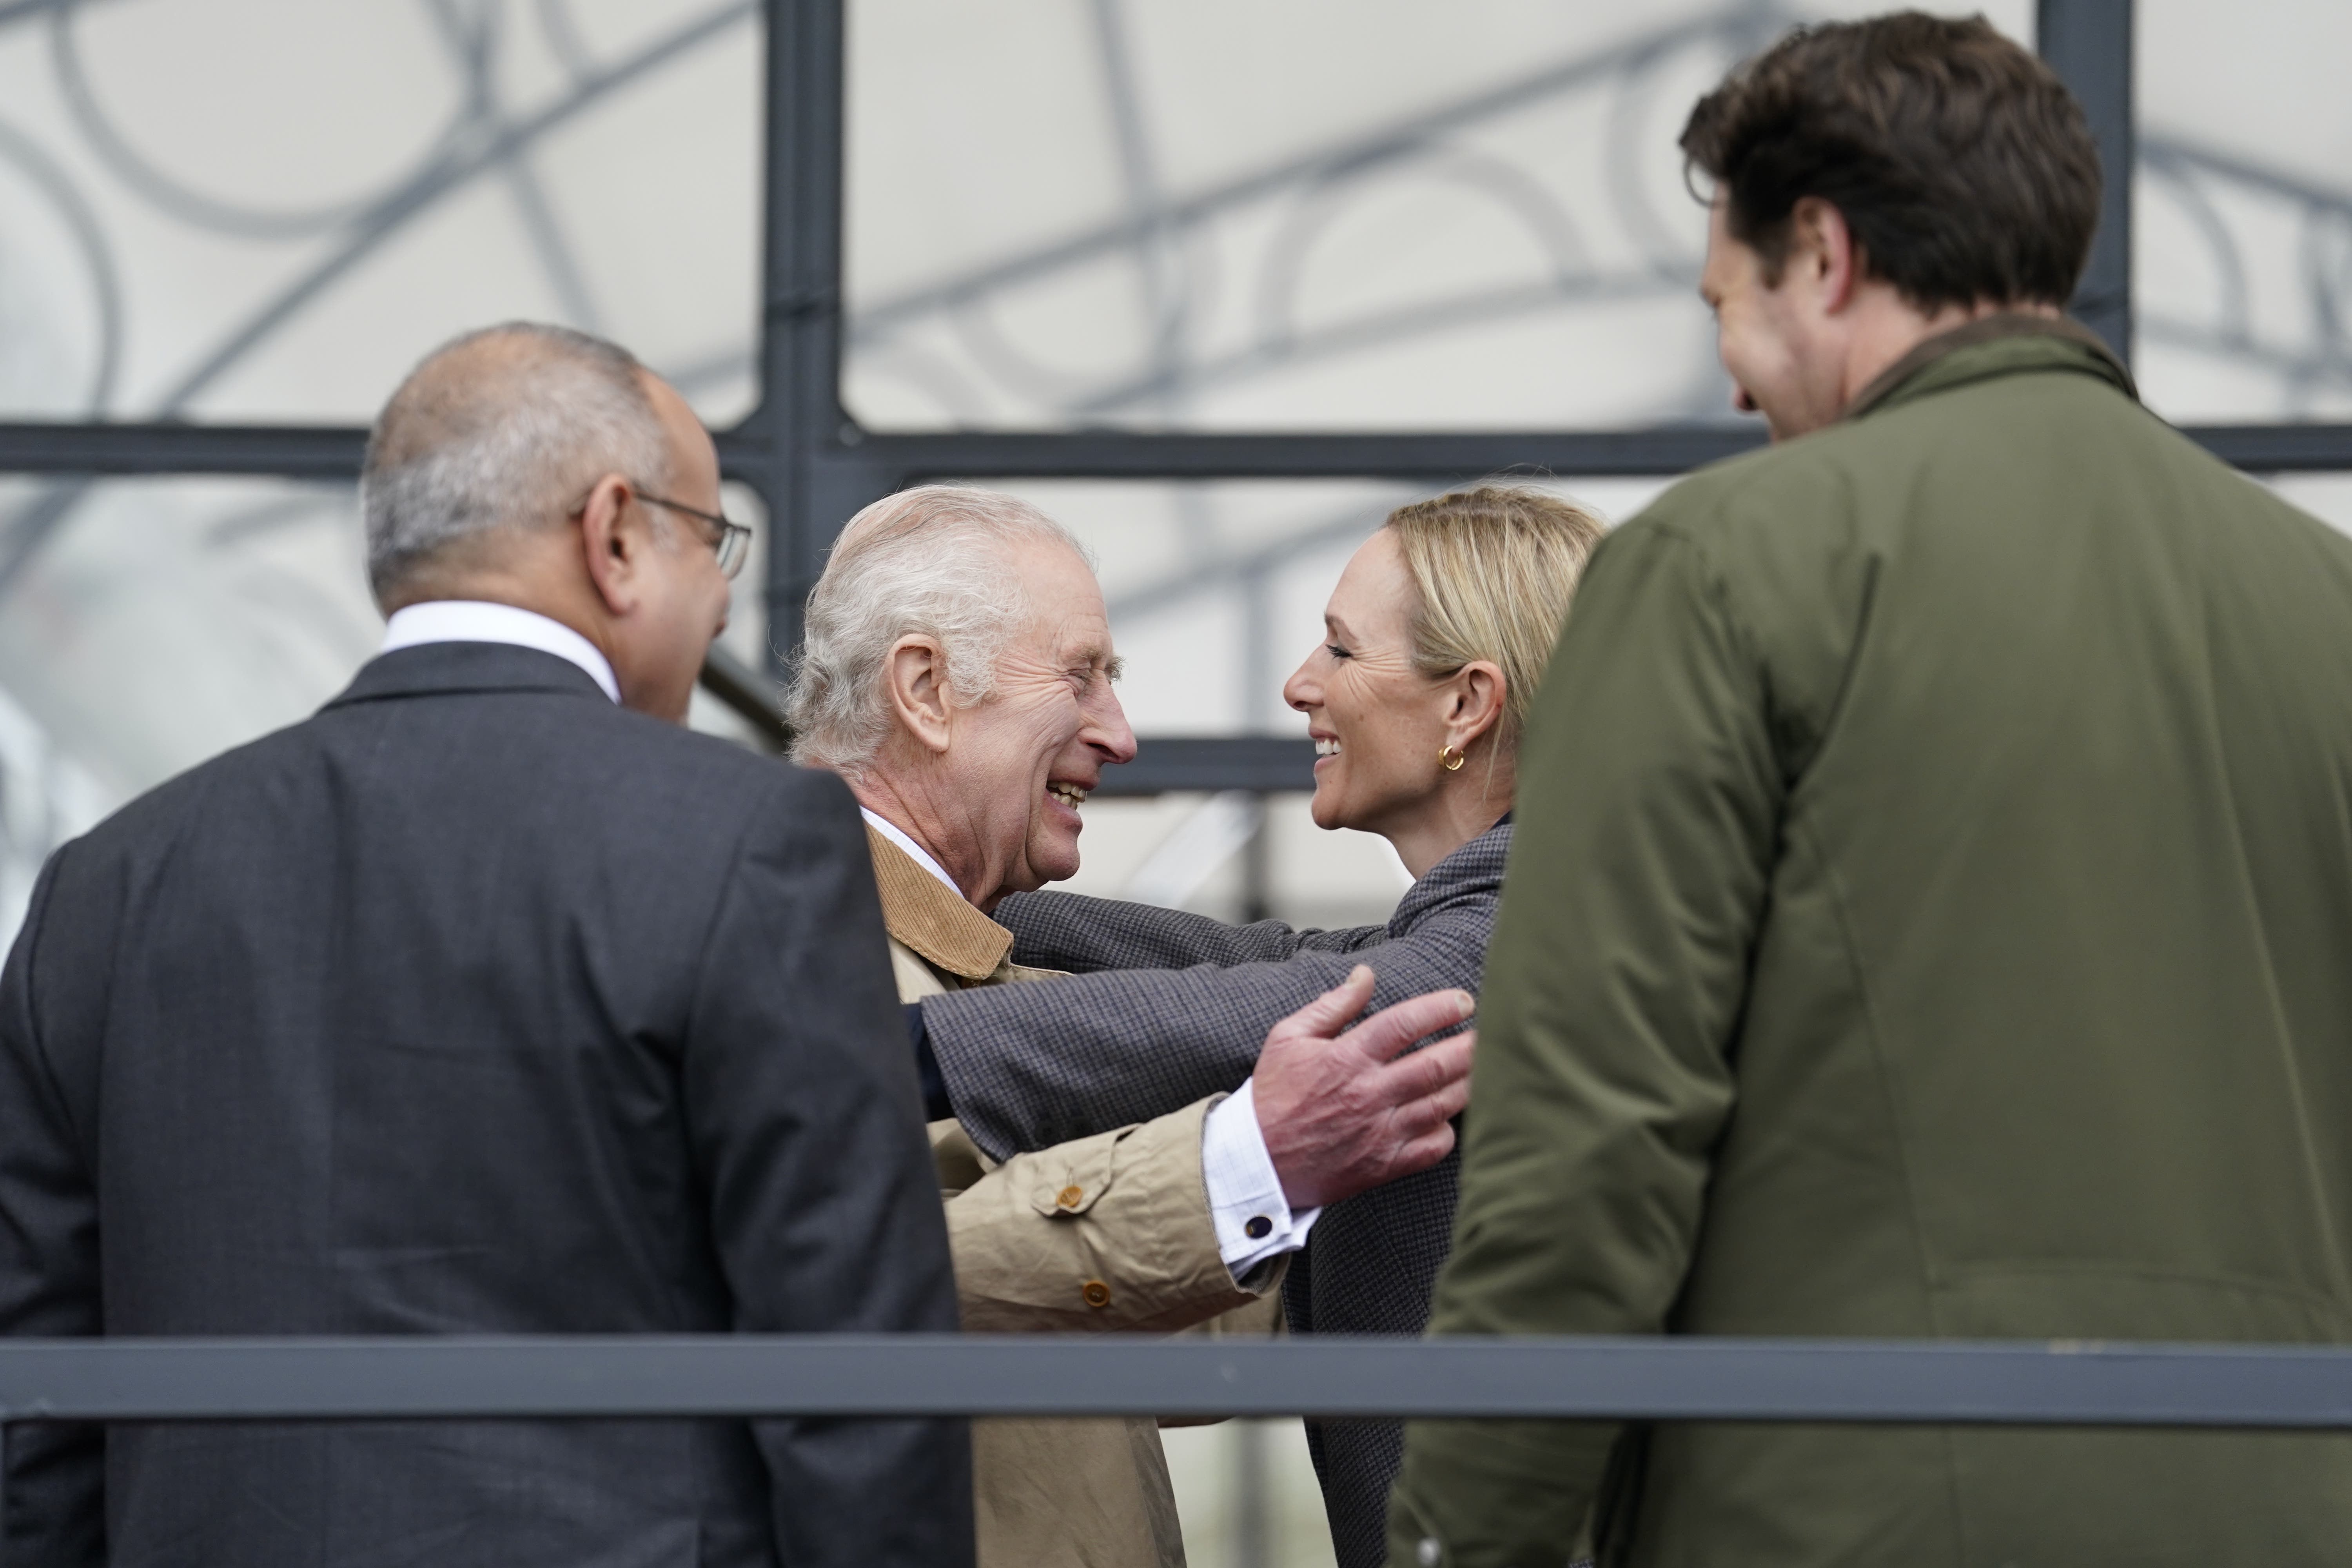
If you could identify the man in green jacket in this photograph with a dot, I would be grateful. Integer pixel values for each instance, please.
(1931, 914)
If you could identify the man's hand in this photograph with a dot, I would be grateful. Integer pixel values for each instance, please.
(1342, 1112)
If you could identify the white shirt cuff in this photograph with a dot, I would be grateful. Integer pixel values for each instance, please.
(1245, 1202)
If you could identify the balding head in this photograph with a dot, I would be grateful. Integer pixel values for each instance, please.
(500, 431)
(540, 468)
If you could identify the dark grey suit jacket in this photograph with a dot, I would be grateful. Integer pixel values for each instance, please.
(473, 1004)
(1166, 1008)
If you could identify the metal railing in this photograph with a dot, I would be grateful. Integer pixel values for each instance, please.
(582, 1378)
(2061, 1384)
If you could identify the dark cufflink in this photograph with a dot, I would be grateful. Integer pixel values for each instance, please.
(1258, 1227)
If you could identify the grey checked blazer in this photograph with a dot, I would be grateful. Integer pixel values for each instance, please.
(1164, 1007)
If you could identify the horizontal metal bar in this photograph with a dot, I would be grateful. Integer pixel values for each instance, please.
(292, 451)
(1268, 764)
(334, 452)
(2278, 449)
(1672, 1379)
(1444, 458)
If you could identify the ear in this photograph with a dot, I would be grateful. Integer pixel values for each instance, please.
(1822, 245)
(916, 671)
(1475, 705)
(615, 537)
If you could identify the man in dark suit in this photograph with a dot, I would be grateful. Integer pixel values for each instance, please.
(488, 1000)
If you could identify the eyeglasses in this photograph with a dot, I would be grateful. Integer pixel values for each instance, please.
(733, 545)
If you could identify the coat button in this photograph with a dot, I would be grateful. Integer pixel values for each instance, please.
(1258, 1227)
(1070, 1197)
(1097, 1293)
(1428, 1553)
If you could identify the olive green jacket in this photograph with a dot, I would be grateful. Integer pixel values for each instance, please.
(1931, 915)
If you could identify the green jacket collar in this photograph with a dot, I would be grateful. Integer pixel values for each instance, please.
(2005, 344)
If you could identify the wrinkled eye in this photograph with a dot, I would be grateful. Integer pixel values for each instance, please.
(1335, 650)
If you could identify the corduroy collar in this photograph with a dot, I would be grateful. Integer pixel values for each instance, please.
(2027, 342)
(922, 912)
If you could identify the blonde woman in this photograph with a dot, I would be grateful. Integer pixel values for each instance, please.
(1435, 640)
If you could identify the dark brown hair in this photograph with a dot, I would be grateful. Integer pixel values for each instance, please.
(1960, 164)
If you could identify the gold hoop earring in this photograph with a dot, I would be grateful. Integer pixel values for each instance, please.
(1450, 758)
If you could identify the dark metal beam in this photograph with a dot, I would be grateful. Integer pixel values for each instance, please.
(333, 453)
(799, 452)
(1675, 1379)
(2089, 44)
(2278, 449)
(1440, 456)
(757, 452)
(294, 451)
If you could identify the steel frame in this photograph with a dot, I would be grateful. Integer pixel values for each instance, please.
(813, 466)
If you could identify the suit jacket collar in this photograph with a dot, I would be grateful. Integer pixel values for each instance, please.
(921, 912)
(1988, 346)
(432, 670)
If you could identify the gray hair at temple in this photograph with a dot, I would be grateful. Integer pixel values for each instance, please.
(928, 562)
(503, 430)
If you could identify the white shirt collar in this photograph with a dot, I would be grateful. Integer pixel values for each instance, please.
(889, 830)
(477, 620)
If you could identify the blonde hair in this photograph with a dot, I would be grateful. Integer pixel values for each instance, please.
(1493, 568)
(930, 560)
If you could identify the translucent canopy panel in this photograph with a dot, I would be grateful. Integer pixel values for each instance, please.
(167, 620)
(268, 210)
(1325, 213)
(2241, 260)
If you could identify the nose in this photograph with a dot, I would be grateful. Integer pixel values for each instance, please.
(1302, 691)
(1107, 729)
(1740, 400)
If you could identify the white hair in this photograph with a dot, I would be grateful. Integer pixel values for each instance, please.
(502, 428)
(929, 561)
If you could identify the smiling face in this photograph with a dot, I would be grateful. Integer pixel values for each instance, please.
(1023, 761)
(1377, 723)
(1777, 339)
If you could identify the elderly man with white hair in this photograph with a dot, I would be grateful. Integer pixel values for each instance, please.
(958, 673)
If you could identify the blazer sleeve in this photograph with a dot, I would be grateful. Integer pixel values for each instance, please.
(806, 1126)
(48, 1256)
(1028, 1067)
(1103, 1235)
(1637, 882)
(1072, 931)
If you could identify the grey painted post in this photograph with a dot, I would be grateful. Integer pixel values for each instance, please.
(798, 446)
(1252, 1514)
(2089, 44)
